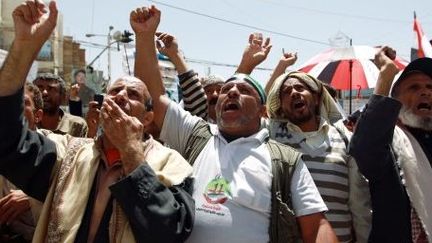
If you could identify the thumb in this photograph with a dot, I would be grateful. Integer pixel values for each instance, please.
(52, 18)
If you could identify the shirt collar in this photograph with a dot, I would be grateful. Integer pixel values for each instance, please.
(322, 127)
(261, 136)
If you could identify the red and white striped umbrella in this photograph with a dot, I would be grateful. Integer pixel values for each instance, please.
(333, 67)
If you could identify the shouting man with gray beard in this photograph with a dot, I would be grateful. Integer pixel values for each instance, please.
(392, 145)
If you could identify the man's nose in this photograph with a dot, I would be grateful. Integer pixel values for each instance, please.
(233, 91)
(426, 91)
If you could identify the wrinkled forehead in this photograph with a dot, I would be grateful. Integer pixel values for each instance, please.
(292, 81)
(240, 83)
(127, 82)
(130, 82)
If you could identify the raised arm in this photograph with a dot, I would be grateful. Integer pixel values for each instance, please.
(255, 53)
(370, 144)
(194, 97)
(287, 59)
(26, 157)
(167, 45)
(33, 26)
(388, 70)
(144, 22)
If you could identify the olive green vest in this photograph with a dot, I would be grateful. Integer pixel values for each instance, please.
(283, 224)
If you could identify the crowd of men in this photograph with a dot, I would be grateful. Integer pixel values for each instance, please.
(235, 162)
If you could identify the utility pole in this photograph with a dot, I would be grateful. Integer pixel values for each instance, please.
(109, 52)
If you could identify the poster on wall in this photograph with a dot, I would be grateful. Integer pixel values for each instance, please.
(46, 53)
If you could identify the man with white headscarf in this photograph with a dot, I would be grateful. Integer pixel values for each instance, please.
(303, 114)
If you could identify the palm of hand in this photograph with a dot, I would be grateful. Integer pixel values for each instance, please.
(256, 53)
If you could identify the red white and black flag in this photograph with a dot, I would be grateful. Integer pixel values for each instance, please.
(424, 47)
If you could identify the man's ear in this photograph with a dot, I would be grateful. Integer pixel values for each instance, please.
(38, 115)
(147, 119)
(263, 111)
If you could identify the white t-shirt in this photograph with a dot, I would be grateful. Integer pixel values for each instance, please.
(232, 189)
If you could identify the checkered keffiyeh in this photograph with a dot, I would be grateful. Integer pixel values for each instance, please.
(417, 231)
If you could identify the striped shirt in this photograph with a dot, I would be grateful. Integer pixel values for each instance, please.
(194, 97)
(324, 153)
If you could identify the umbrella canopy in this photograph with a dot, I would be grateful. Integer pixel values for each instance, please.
(333, 67)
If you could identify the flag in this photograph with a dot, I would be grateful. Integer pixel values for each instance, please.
(424, 46)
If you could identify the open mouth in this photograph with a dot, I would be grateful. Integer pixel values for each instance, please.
(299, 104)
(231, 107)
(424, 107)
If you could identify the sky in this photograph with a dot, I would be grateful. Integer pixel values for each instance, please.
(310, 22)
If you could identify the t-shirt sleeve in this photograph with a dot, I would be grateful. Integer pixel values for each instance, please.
(177, 127)
(305, 195)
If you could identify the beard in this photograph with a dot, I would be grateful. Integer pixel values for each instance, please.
(408, 118)
(297, 118)
(50, 110)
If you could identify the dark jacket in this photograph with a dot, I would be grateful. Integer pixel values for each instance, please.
(371, 147)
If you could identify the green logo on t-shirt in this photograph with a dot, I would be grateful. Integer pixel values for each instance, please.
(217, 190)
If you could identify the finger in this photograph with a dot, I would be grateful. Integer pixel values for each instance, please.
(6, 215)
(140, 14)
(251, 37)
(162, 37)
(104, 111)
(4, 207)
(14, 215)
(33, 11)
(267, 42)
(24, 11)
(40, 5)
(52, 17)
(267, 50)
(169, 40)
(391, 53)
(4, 200)
(145, 13)
(93, 104)
(153, 11)
(133, 17)
(116, 111)
(258, 38)
(108, 106)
